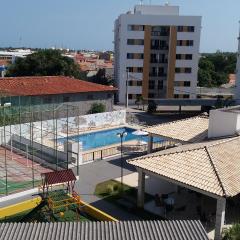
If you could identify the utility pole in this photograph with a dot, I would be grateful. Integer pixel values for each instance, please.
(127, 88)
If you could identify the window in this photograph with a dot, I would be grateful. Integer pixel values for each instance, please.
(47, 100)
(139, 83)
(187, 84)
(183, 70)
(184, 56)
(179, 56)
(129, 69)
(185, 95)
(159, 44)
(160, 85)
(191, 28)
(177, 70)
(176, 96)
(109, 95)
(151, 95)
(130, 96)
(134, 69)
(135, 42)
(187, 43)
(180, 28)
(130, 83)
(90, 97)
(185, 28)
(188, 56)
(66, 99)
(187, 70)
(134, 55)
(151, 84)
(135, 27)
(130, 56)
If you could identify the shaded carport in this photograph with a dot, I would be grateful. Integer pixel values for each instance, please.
(211, 168)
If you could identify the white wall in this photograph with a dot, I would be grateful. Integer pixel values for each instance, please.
(223, 123)
(153, 16)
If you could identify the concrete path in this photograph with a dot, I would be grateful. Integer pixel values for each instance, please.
(93, 173)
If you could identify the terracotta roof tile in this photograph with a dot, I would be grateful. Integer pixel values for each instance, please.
(212, 166)
(197, 128)
(48, 85)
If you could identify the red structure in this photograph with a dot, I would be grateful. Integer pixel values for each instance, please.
(58, 177)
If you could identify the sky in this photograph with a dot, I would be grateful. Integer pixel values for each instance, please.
(88, 24)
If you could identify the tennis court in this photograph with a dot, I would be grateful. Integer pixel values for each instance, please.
(20, 171)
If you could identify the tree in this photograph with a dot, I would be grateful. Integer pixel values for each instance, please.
(233, 233)
(139, 101)
(101, 78)
(97, 108)
(152, 107)
(45, 63)
(214, 68)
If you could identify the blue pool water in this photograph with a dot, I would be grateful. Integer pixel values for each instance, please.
(105, 138)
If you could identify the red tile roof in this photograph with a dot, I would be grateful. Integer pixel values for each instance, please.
(63, 176)
(49, 85)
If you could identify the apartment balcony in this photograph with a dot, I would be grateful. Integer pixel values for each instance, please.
(157, 74)
(159, 61)
(153, 47)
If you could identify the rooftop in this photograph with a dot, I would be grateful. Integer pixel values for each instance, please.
(135, 230)
(156, 10)
(48, 85)
(212, 166)
(197, 129)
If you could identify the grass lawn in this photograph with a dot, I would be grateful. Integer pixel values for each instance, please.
(126, 199)
(62, 213)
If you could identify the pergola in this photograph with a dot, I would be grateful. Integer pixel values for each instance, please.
(184, 131)
(211, 168)
(58, 177)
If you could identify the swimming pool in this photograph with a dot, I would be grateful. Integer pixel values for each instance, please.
(105, 138)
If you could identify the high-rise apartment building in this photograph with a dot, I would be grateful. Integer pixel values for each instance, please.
(156, 53)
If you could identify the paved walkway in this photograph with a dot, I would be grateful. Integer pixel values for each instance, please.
(93, 173)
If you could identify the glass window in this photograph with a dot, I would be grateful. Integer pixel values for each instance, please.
(187, 84)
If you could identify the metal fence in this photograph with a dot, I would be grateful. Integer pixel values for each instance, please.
(127, 149)
(30, 142)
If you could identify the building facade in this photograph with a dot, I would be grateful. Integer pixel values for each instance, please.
(237, 89)
(156, 53)
(65, 95)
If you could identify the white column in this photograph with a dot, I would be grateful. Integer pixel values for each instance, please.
(150, 143)
(220, 218)
(141, 188)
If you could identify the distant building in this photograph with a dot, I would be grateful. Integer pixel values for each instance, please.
(53, 91)
(12, 55)
(160, 51)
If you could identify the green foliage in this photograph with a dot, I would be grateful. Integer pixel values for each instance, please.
(45, 63)
(232, 233)
(152, 107)
(214, 68)
(97, 108)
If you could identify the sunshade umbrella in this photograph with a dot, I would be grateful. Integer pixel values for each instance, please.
(140, 133)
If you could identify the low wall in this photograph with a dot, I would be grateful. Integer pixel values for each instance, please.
(19, 207)
(40, 153)
(96, 213)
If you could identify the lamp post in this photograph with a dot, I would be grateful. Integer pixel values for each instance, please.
(121, 136)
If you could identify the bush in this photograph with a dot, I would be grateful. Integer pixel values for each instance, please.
(97, 108)
(152, 107)
(232, 233)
